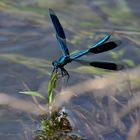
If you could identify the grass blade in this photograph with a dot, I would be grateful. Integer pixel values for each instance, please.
(51, 86)
(33, 93)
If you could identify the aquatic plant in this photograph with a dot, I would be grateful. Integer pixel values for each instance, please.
(56, 125)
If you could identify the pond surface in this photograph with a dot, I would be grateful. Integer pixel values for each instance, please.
(28, 46)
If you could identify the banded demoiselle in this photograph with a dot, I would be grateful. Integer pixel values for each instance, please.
(99, 47)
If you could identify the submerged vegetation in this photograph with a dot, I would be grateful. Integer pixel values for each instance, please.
(56, 127)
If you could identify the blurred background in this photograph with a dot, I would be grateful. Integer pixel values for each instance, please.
(28, 46)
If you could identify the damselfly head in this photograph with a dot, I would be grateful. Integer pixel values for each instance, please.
(55, 63)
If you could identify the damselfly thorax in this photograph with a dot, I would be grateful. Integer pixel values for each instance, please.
(62, 61)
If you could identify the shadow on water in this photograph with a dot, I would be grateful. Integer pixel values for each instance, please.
(101, 105)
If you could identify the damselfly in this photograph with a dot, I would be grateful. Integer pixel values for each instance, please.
(99, 47)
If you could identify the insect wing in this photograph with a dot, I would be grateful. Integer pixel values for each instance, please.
(63, 46)
(83, 52)
(60, 35)
(58, 28)
(103, 65)
(105, 47)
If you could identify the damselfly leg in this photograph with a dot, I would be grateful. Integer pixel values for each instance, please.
(55, 70)
(65, 73)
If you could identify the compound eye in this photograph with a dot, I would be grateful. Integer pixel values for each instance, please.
(54, 63)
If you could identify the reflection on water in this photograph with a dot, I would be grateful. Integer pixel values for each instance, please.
(27, 47)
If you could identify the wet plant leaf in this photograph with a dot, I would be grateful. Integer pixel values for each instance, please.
(51, 86)
(33, 93)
